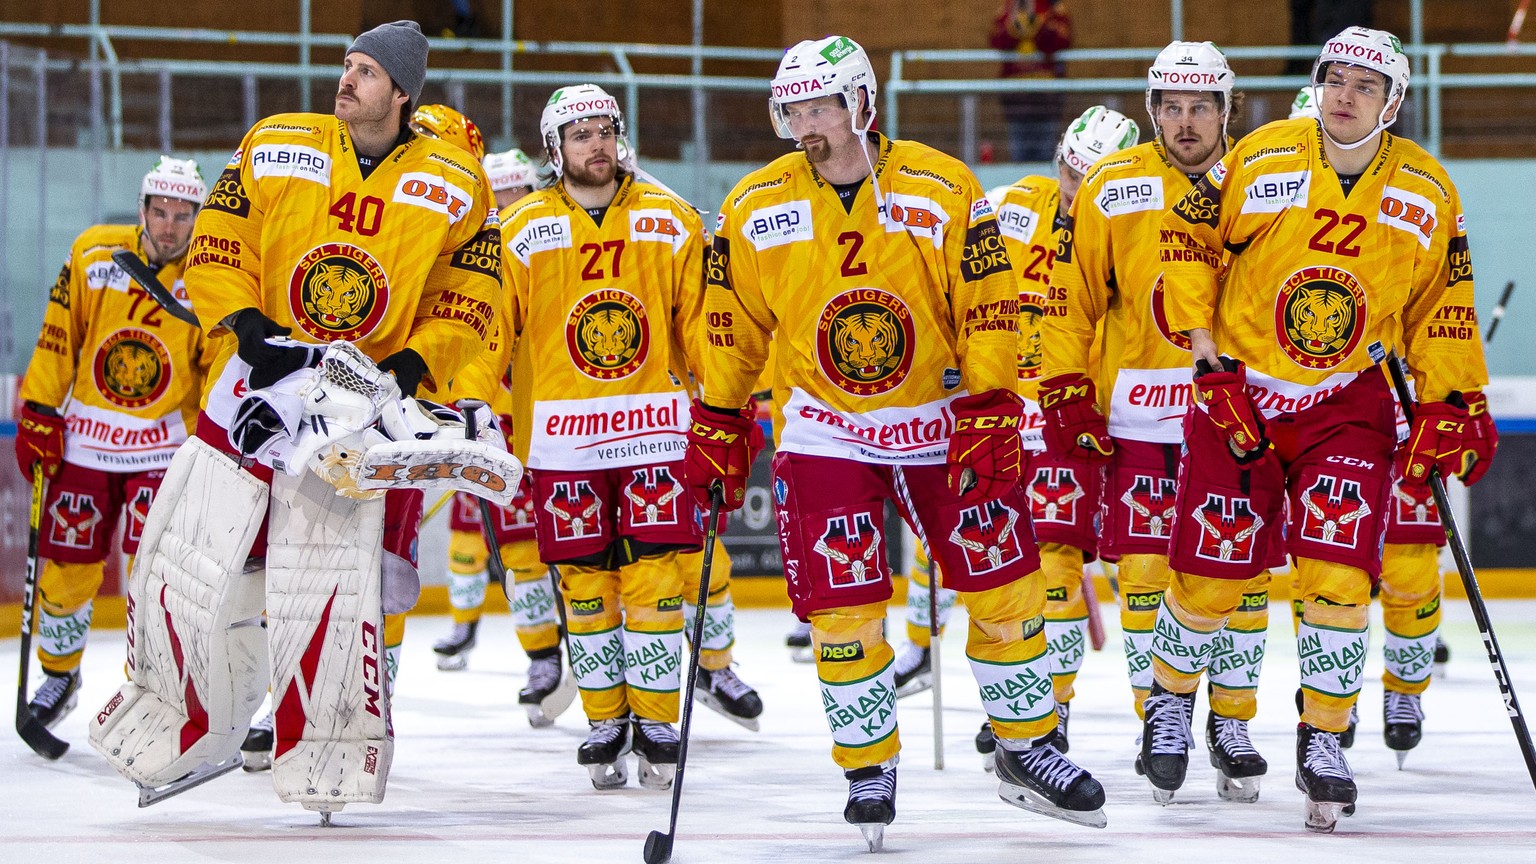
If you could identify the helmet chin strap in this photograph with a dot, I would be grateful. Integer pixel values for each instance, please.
(1381, 126)
(868, 159)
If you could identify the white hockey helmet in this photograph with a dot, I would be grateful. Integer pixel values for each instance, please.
(1197, 67)
(175, 178)
(834, 65)
(1376, 50)
(1096, 133)
(510, 170)
(569, 104)
(1305, 104)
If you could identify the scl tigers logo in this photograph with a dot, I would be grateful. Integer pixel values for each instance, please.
(865, 340)
(1320, 316)
(1160, 317)
(338, 291)
(607, 334)
(1031, 311)
(132, 368)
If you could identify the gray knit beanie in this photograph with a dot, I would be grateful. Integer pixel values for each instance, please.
(401, 49)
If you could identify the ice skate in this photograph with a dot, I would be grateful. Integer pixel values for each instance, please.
(149, 795)
(1034, 776)
(1166, 741)
(914, 671)
(453, 651)
(549, 690)
(1238, 764)
(1324, 775)
(257, 749)
(1059, 737)
(799, 643)
(872, 801)
(603, 752)
(1404, 716)
(986, 745)
(729, 696)
(55, 697)
(656, 745)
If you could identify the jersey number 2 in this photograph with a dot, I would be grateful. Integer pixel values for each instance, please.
(854, 241)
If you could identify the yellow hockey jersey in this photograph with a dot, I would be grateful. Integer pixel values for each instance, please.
(1318, 279)
(1108, 275)
(880, 319)
(1029, 217)
(125, 375)
(602, 310)
(408, 258)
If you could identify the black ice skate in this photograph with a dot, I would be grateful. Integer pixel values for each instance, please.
(799, 643)
(872, 801)
(1323, 774)
(55, 697)
(914, 671)
(1404, 715)
(453, 651)
(1442, 656)
(1034, 776)
(1347, 737)
(986, 745)
(257, 749)
(656, 745)
(1165, 741)
(729, 696)
(603, 752)
(548, 692)
(1238, 764)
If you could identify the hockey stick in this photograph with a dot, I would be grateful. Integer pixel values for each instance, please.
(435, 508)
(493, 560)
(934, 634)
(138, 271)
(658, 846)
(37, 736)
(1498, 312)
(1468, 577)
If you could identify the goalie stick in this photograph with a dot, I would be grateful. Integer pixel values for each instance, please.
(138, 271)
(37, 736)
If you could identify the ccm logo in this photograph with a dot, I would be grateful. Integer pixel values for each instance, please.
(101, 718)
(1352, 461)
(967, 423)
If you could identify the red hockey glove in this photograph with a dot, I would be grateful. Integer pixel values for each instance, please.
(1074, 425)
(39, 439)
(1481, 442)
(1225, 397)
(721, 447)
(985, 456)
(1435, 440)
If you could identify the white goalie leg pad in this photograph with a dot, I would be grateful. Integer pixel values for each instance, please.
(196, 650)
(325, 621)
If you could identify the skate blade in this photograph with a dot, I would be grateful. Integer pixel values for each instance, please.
(1162, 796)
(874, 835)
(150, 795)
(1323, 816)
(256, 760)
(608, 775)
(917, 684)
(1243, 790)
(1402, 756)
(707, 699)
(1027, 799)
(656, 775)
(802, 655)
(452, 662)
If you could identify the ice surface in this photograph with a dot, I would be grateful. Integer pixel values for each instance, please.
(472, 782)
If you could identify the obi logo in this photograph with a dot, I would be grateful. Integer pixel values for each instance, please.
(851, 545)
(1151, 502)
(985, 533)
(1228, 528)
(1333, 511)
(1053, 495)
(1409, 212)
(1159, 300)
(652, 496)
(434, 193)
(576, 508)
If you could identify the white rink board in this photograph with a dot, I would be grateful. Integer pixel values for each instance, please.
(473, 783)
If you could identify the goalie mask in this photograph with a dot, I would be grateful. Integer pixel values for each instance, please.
(833, 66)
(1192, 67)
(1376, 50)
(581, 102)
(440, 121)
(510, 170)
(1097, 133)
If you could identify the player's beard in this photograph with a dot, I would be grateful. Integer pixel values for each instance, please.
(357, 110)
(592, 177)
(1196, 156)
(817, 148)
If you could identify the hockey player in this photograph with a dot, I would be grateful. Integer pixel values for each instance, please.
(845, 254)
(346, 227)
(604, 275)
(1347, 244)
(1129, 409)
(108, 396)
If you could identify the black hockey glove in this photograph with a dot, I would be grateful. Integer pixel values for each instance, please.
(408, 369)
(269, 363)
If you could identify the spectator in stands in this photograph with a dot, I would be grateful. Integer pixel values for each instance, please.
(1036, 30)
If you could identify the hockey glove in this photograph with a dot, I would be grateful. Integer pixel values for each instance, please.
(985, 454)
(1481, 442)
(408, 369)
(721, 447)
(1435, 440)
(1225, 397)
(39, 439)
(1074, 425)
(269, 363)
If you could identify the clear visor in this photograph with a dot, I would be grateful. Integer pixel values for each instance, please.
(815, 118)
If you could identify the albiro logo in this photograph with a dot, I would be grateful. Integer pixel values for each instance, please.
(839, 50)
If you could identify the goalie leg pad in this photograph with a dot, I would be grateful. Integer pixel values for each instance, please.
(325, 618)
(196, 658)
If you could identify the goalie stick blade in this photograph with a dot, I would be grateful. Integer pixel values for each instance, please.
(134, 266)
(150, 795)
(37, 736)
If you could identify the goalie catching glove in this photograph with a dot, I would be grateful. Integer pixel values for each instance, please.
(985, 454)
(1074, 425)
(1224, 396)
(721, 447)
